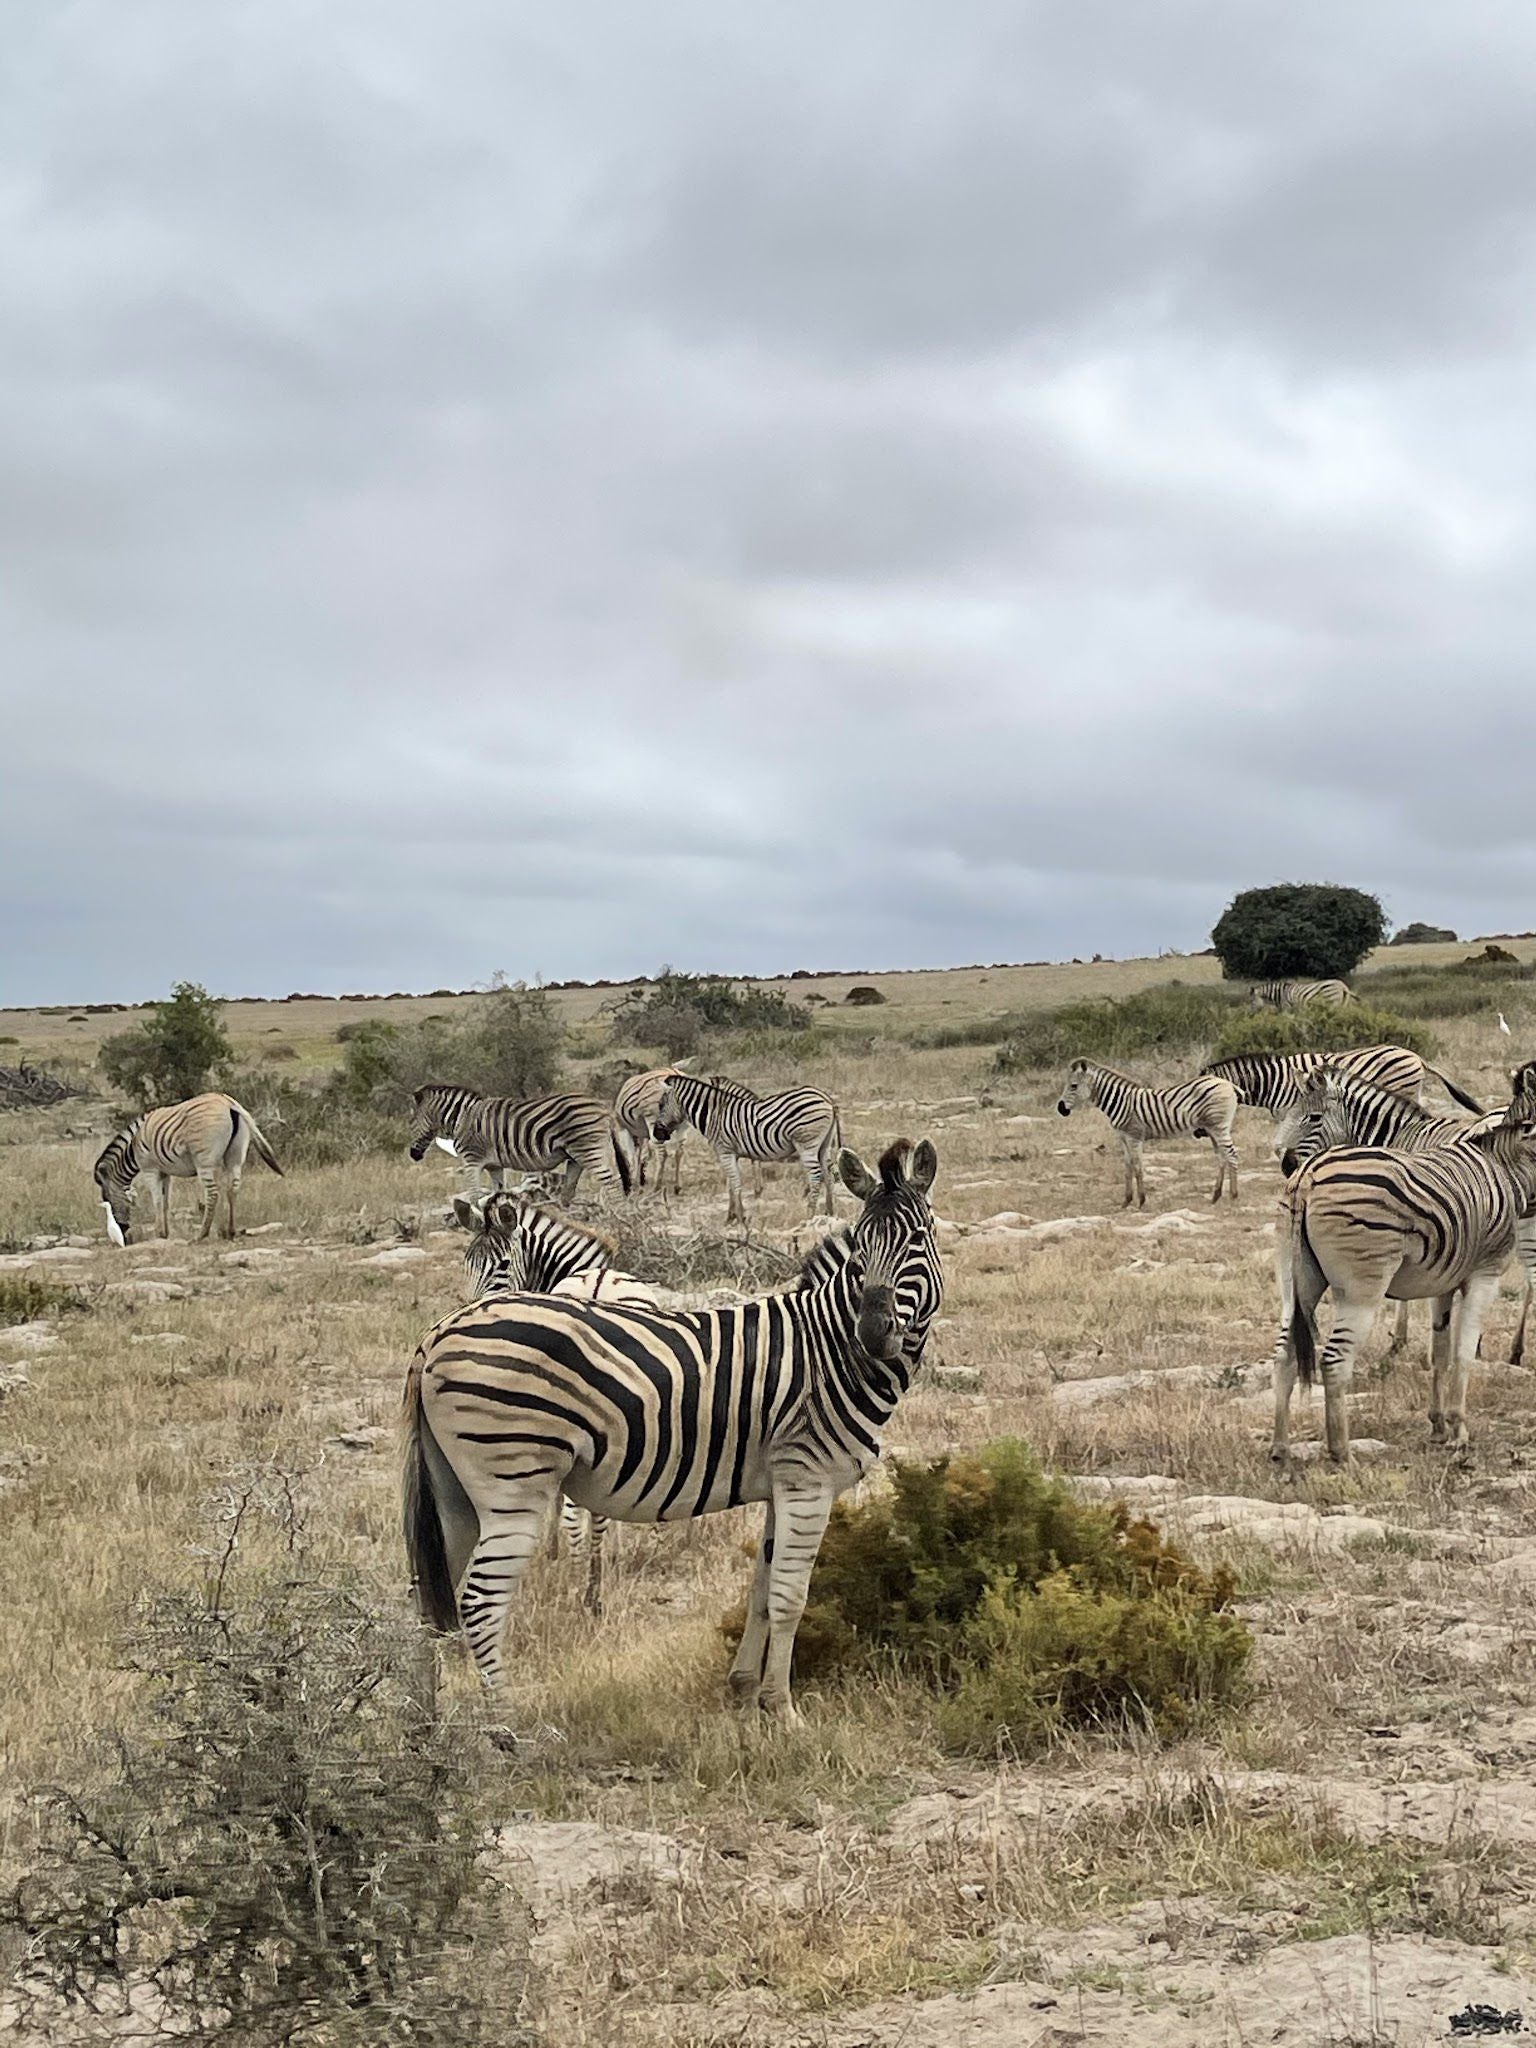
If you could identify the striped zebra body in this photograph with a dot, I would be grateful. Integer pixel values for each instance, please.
(1202, 1108)
(208, 1136)
(652, 1416)
(1274, 1080)
(800, 1123)
(1302, 995)
(635, 1109)
(1373, 1224)
(496, 1132)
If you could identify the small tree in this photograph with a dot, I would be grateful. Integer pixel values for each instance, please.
(173, 1054)
(1310, 929)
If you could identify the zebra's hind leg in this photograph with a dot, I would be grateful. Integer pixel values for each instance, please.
(231, 1189)
(1476, 1298)
(1399, 1340)
(747, 1666)
(208, 1193)
(1525, 1240)
(1352, 1319)
(1135, 1180)
(736, 1208)
(509, 1536)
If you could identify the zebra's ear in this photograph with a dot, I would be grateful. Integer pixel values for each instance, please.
(466, 1215)
(924, 1165)
(855, 1175)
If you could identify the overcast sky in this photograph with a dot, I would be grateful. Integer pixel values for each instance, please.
(564, 489)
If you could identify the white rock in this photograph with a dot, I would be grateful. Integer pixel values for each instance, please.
(397, 1255)
(33, 1336)
(169, 1339)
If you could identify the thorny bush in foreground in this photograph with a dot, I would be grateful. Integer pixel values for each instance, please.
(1028, 1611)
(288, 1853)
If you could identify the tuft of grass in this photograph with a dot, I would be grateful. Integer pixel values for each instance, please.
(26, 1299)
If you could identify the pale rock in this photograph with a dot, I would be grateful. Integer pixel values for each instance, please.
(34, 1336)
(168, 1339)
(398, 1255)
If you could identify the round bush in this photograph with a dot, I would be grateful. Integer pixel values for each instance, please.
(1312, 930)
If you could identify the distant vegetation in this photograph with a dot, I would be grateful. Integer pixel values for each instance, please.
(1175, 1018)
(1028, 1612)
(1312, 930)
(1423, 935)
(1460, 990)
(678, 1014)
(1320, 1029)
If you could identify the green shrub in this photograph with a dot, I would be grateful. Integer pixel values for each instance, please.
(510, 1041)
(1313, 929)
(313, 1123)
(1316, 1029)
(677, 1012)
(1173, 1018)
(1026, 1610)
(177, 1052)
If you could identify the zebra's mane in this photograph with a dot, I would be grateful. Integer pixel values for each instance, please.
(824, 1258)
(115, 1151)
(504, 1232)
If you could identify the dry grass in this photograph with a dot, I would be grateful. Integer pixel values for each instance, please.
(811, 1882)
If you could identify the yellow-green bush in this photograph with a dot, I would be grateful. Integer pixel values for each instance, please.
(1026, 1609)
(1320, 1029)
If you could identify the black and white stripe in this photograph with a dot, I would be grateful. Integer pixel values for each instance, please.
(208, 1135)
(1202, 1108)
(799, 1123)
(496, 1132)
(659, 1417)
(635, 1109)
(1371, 1224)
(1302, 995)
(1274, 1080)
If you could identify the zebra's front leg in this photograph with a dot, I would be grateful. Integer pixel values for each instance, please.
(800, 1522)
(162, 1204)
(1525, 1241)
(231, 1189)
(1284, 1369)
(747, 1666)
(1476, 1298)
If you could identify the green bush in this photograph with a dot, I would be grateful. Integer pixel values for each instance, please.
(1173, 1018)
(1312, 929)
(314, 1123)
(179, 1049)
(23, 1298)
(676, 1013)
(510, 1041)
(1026, 1610)
(1316, 1029)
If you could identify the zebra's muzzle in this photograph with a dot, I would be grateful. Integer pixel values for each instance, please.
(879, 1333)
(1063, 1108)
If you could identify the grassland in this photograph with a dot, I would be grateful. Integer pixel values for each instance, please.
(1352, 1858)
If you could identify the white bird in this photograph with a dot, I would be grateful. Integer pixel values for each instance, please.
(1503, 1026)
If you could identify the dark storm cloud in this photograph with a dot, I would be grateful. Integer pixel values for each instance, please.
(565, 491)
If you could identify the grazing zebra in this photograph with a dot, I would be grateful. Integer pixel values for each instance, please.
(653, 1416)
(1274, 1080)
(800, 1123)
(519, 1248)
(209, 1136)
(1302, 995)
(635, 1109)
(495, 1132)
(1372, 1225)
(1203, 1108)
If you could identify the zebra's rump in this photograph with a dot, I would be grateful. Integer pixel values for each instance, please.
(536, 1136)
(1448, 1211)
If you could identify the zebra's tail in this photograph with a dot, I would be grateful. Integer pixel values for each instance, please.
(1304, 1269)
(431, 1580)
(1457, 1094)
(620, 1158)
(264, 1151)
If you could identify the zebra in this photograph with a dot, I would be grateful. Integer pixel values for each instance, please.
(655, 1416)
(1374, 1224)
(1301, 995)
(1274, 1080)
(1338, 1107)
(208, 1135)
(518, 1247)
(496, 1131)
(800, 1123)
(634, 1111)
(1203, 1108)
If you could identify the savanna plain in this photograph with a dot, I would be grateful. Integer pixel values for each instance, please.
(1345, 1859)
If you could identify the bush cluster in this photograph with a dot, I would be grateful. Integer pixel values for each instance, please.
(1027, 1611)
(24, 1298)
(678, 1014)
(290, 1852)
(1316, 1029)
(1174, 1018)
(1459, 990)
(509, 1041)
